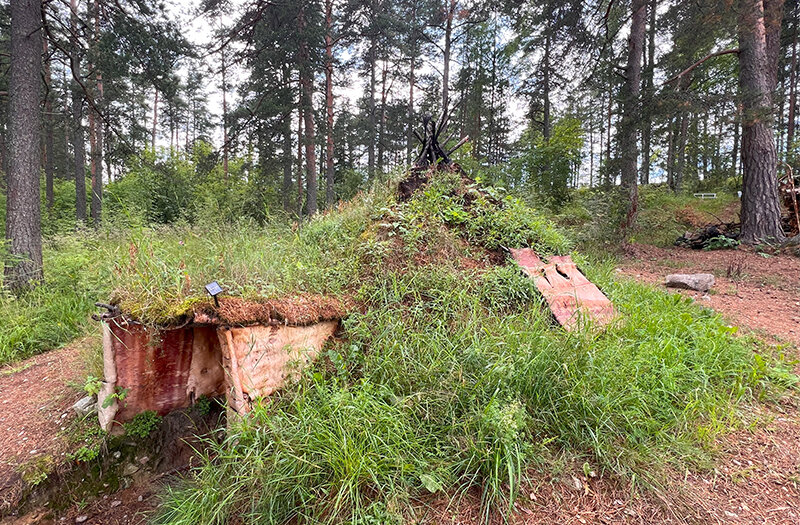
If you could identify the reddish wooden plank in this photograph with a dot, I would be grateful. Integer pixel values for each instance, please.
(569, 294)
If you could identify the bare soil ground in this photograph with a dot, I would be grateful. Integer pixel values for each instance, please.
(755, 480)
(36, 397)
(757, 292)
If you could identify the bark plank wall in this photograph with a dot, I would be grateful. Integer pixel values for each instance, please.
(165, 369)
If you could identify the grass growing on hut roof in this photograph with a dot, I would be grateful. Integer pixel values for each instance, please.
(454, 376)
(161, 275)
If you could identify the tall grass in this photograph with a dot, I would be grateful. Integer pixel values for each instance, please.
(157, 274)
(453, 378)
(57, 310)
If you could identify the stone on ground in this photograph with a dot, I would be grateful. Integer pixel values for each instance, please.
(702, 282)
(85, 406)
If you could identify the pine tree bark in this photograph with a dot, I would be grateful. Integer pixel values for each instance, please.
(287, 153)
(225, 146)
(628, 143)
(330, 196)
(792, 91)
(546, 125)
(410, 140)
(450, 11)
(382, 121)
(23, 214)
(49, 163)
(155, 120)
(761, 214)
(671, 154)
(307, 86)
(78, 139)
(97, 182)
(647, 103)
(680, 152)
(372, 58)
(300, 191)
(96, 130)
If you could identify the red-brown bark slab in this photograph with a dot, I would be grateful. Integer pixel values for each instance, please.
(156, 369)
(569, 294)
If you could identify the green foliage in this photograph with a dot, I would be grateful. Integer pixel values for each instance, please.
(203, 405)
(478, 215)
(152, 190)
(84, 454)
(593, 216)
(119, 394)
(452, 378)
(36, 470)
(91, 438)
(142, 424)
(721, 243)
(77, 273)
(93, 385)
(664, 216)
(547, 167)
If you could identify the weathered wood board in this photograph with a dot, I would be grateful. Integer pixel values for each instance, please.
(258, 359)
(569, 294)
(164, 369)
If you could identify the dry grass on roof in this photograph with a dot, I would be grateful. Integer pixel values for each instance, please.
(294, 310)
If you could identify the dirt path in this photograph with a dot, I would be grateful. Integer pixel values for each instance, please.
(757, 292)
(36, 396)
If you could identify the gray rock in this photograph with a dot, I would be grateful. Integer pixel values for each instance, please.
(130, 469)
(792, 242)
(702, 282)
(85, 406)
(81, 519)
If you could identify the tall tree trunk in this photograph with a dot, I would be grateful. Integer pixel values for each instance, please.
(97, 182)
(680, 151)
(628, 143)
(792, 91)
(448, 41)
(591, 147)
(546, 126)
(49, 164)
(781, 93)
(307, 86)
(647, 103)
(287, 154)
(410, 141)
(671, 154)
(371, 108)
(382, 121)
(155, 120)
(761, 214)
(78, 144)
(300, 190)
(330, 196)
(96, 129)
(225, 147)
(23, 215)
(607, 175)
(736, 139)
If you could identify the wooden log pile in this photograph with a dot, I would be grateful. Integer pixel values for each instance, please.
(789, 189)
(434, 154)
(700, 238)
